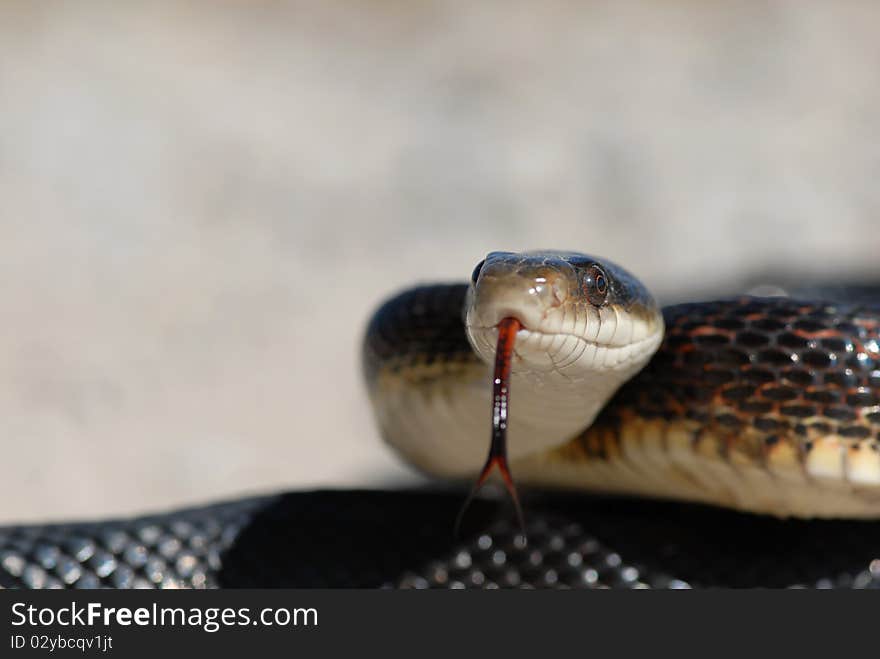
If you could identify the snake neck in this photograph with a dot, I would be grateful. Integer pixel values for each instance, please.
(438, 416)
(431, 391)
(549, 409)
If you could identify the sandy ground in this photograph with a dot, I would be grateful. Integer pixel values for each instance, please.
(200, 203)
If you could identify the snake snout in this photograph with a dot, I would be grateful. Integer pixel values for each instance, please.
(535, 301)
(527, 294)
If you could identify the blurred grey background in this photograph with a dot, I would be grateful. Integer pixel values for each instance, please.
(200, 204)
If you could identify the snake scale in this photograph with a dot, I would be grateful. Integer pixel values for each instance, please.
(766, 405)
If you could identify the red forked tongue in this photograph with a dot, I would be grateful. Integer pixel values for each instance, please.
(507, 329)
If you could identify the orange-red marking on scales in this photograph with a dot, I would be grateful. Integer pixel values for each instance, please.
(507, 329)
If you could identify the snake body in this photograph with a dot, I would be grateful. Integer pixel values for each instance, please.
(381, 539)
(768, 405)
(761, 404)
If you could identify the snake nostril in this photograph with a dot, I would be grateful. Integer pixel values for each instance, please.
(549, 290)
(560, 292)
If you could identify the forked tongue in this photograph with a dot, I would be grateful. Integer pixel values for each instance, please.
(507, 329)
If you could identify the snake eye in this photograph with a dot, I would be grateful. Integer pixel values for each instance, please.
(596, 285)
(476, 273)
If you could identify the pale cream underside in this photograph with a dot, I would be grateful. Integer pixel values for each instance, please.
(443, 426)
(439, 416)
(659, 459)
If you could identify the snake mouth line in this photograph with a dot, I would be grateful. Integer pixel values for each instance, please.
(525, 333)
(526, 336)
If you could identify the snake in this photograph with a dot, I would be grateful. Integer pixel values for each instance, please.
(769, 405)
(729, 442)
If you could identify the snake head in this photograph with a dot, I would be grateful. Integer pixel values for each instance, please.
(579, 314)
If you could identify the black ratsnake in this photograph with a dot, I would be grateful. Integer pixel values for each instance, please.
(769, 405)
